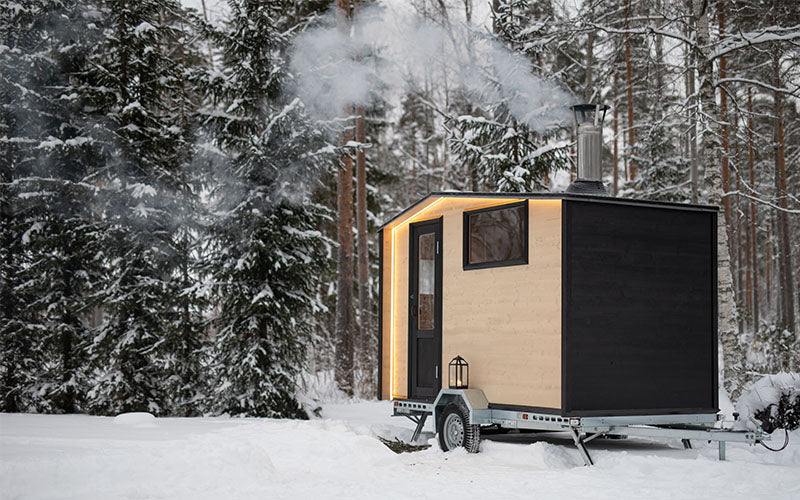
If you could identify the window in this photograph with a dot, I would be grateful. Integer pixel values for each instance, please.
(496, 236)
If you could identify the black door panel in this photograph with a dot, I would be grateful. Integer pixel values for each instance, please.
(425, 309)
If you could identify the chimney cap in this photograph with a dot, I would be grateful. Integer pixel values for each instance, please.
(589, 107)
(585, 113)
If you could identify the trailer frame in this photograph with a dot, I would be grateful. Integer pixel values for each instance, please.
(582, 430)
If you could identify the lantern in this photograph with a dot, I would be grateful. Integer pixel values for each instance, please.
(458, 373)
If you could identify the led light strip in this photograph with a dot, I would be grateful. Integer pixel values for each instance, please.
(392, 298)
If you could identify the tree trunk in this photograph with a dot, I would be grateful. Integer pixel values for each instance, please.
(660, 105)
(210, 49)
(366, 356)
(768, 262)
(728, 338)
(629, 81)
(616, 134)
(753, 220)
(344, 291)
(413, 196)
(445, 156)
(691, 59)
(723, 116)
(740, 264)
(587, 89)
(786, 285)
(364, 313)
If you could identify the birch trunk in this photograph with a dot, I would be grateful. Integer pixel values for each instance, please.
(723, 116)
(732, 366)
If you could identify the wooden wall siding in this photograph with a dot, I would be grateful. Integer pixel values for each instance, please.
(400, 320)
(386, 314)
(506, 321)
(396, 244)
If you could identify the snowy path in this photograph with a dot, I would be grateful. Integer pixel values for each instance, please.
(339, 457)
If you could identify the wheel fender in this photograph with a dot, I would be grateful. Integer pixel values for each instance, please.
(474, 399)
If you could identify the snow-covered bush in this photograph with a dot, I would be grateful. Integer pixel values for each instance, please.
(773, 401)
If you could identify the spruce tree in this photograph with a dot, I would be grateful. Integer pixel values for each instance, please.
(182, 356)
(48, 232)
(131, 82)
(266, 253)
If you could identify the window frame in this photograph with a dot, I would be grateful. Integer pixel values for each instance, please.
(467, 266)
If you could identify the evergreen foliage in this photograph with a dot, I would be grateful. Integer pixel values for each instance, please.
(165, 222)
(662, 169)
(49, 237)
(783, 415)
(266, 253)
(505, 153)
(141, 138)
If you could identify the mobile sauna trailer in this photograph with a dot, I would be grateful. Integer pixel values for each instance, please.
(571, 312)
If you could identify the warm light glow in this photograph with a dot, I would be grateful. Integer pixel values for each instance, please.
(392, 288)
(391, 323)
(463, 203)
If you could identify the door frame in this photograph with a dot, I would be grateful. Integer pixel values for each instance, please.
(413, 283)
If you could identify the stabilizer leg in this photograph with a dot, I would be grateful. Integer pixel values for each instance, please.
(420, 420)
(576, 436)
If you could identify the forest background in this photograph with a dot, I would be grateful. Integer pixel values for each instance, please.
(189, 196)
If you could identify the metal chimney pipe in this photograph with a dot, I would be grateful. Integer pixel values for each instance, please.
(589, 133)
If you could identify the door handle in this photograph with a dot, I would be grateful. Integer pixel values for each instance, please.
(437, 372)
(412, 305)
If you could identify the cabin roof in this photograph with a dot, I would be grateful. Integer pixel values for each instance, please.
(550, 196)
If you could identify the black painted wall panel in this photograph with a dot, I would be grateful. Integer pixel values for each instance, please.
(639, 310)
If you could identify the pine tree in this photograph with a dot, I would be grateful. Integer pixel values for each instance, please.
(266, 251)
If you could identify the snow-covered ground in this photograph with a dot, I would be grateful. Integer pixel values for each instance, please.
(339, 456)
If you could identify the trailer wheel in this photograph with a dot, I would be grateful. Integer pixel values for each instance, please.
(454, 429)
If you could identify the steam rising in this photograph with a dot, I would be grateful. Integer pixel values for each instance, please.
(386, 50)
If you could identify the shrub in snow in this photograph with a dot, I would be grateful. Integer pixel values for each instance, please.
(773, 402)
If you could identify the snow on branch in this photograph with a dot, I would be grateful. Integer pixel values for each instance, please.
(741, 40)
(763, 202)
(772, 88)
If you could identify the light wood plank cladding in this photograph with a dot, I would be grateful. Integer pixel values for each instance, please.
(396, 286)
(505, 321)
(386, 314)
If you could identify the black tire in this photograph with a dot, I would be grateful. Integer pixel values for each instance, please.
(454, 429)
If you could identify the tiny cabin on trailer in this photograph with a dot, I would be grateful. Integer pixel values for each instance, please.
(561, 303)
(571, 312)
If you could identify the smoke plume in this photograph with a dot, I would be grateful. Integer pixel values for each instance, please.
(385, 50)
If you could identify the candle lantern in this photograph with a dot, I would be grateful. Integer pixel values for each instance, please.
(459, 373)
